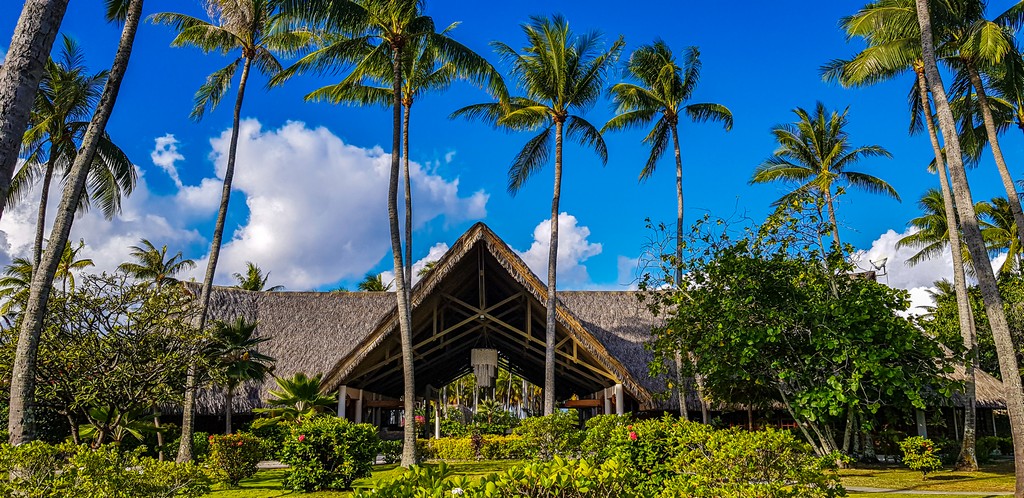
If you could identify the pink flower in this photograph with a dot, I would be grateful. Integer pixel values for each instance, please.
(302, 437)
(420, 419)
(632, 436)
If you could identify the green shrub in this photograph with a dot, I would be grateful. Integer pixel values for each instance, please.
(67, 470)
(1006, 445)
(234, 457)
(984, 446)
(391, 450)
(273, 435)
(948, 450)
(553, 435)
(920, 454)
(328, 453)
(200, 446)
(600, 430)
(511, 447)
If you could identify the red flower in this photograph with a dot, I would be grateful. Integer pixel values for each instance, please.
(302, 437)
(632, 436)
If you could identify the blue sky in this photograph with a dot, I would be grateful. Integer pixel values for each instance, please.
(761, 60)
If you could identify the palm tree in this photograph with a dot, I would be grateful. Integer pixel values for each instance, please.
(254, 279)
(561, 75)
(236, 359)
(975, 243)
(20, 74)
(365, 34)
(1000, 232)
(14, 286)
(374, 283)
(932, 235)
(815, 154)
(247, 26)
(21, 419)
(894, 47)
(152, 265)
(660, 95)
(62, 106)
(296, 398)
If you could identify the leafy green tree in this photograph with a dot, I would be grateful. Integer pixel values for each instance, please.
(254, 279)
(21, 422)
(815, 154)
(297, 397)
(236, 360)
(65, 99)
(374, 283)
(561, 75)
(249, 27)
(153, 266)
(660, 95)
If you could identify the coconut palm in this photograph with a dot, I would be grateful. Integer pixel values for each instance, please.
(20, 74)
(361, 34)
(561, 75)
(153, 266)
(23, 377)
(297, 397)
(894, 48)
(254, 279)
(246, 26)
(62, 107)
(374, 283)
(236, 360)
(975, 243)
(1000, 232)
(16, 282)
(660, 95)
(931, 237)
(815, 154)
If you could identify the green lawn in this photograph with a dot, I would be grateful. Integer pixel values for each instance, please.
(996, 477)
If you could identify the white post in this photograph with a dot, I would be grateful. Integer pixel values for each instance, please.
(607, 402)
(620, 400)
(437, 421)
(342, 397)
(359, 408)
(922, 426)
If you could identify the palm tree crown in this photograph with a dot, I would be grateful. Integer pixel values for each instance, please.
(254, 279)
(152, 265)
(374, 283)
(815, 154)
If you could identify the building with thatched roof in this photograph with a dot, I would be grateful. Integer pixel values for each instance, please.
(479, 296)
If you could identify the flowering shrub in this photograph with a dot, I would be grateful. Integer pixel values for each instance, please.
(553, 435)
(328, 453)
(234, 457)
(920, 454)
(492, 447)
(71, 471)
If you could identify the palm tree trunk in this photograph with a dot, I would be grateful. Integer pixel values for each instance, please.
(830, 205)
(549, 330)
(37, 248)
(229, 397)
(191, 378)
(966, 461)
(21, 421)
(401, 290)
(408, 198)
(976, 245)
(997, 152)
(680, 381)
(20, 75)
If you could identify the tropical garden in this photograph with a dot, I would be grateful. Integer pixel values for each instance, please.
(102, 371)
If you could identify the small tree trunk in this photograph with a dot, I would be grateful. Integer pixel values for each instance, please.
(851, 418)
(21, 421)
(976, 245)
(550, 322)
(997, 152)
(159, 435)
(967, 460)
(229, 397)
(37, 248)
(401, 290)
(73, 424)
(191, 378)
(20, 74)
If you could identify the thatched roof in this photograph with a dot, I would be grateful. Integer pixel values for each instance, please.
(331, 333)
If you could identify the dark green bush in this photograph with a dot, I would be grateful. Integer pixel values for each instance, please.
(984, 446)
(391, 450)
(234, 457)
(1006, 445)
(553, 435)
(328, 453)
(273, 434)
(67, 470)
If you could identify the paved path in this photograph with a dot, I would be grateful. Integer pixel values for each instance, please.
(921, 492)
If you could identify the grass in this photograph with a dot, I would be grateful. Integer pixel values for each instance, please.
(268, 483)
(994, 477)
(997, 476)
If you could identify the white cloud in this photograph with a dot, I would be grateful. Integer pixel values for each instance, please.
(573, 250)
(318, 206)
(435, 253)
(628, 272)
(165, 154)
(449, 156)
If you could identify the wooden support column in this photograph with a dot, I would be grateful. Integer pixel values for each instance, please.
(342, 397)
(359, 408)
(620, 401)
(922, 425)
(607, 402)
